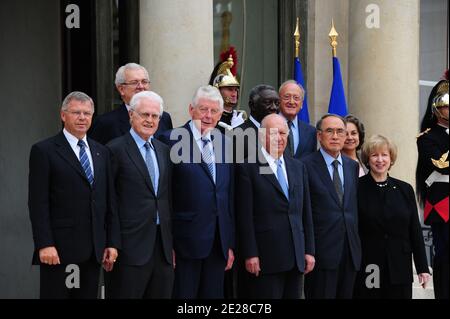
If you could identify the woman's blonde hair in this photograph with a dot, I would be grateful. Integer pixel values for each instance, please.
(375, 142)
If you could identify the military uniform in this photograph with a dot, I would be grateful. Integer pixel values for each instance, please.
(432, 180)
(230, 120)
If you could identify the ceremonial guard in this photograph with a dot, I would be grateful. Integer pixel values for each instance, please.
(225, 80)
(432, 178)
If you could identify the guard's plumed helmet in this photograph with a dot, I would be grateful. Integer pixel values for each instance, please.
(441, 98)
(224, 76)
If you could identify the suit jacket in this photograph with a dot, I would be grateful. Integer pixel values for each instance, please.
(269, 226)
(307, 140)
(115, 123)
(245, 142)
(137, 202)
(199, 203)
(390, 230)
(65, 210)
(332, 222)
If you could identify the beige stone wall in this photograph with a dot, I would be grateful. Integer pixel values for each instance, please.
(176, 47)
(384, 76)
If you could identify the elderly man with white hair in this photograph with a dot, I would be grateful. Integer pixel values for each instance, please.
(142, 175)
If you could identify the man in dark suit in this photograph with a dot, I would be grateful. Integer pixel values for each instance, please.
(203, 186)
(263, 100)
(74, 224)
(142, 177)
(131, 78)
(333, 182)
(273, 219)
(302, 136)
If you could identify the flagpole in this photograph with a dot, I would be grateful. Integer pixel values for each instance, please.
(298, 75)
(297, 39)
(333, 37)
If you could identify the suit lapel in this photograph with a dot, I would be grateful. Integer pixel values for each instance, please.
(95, 158)
(271, 176)
(66, 152)
(136, 158)
(322, 170)
(162, 160)
(300, 139)
(124, 119)
(291, 174)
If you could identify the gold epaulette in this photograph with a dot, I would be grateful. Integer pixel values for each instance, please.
(244, 114)
(424, 132)
(442, 162)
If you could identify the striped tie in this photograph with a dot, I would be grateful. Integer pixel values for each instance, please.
(207, 157)
(84, 160)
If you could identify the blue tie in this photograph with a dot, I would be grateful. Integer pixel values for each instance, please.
(84, 160)
(151, 170)
(207, 157)
(150, 164)
(282, 179)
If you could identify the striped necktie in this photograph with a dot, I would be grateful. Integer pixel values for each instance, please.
(84, 160)
(207, 156)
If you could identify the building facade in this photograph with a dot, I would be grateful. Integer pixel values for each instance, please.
(391, 53)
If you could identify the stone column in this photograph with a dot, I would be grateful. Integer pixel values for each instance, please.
(176, 47)
(384, 75)
(319, 55)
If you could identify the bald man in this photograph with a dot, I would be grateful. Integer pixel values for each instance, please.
(274, 223)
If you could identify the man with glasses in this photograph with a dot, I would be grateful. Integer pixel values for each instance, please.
(70, 202)
(302, 136)
(333, 182)
(142, 172)
(131, 78)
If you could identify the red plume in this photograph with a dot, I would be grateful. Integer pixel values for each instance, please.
(446, 75)
(224, 56)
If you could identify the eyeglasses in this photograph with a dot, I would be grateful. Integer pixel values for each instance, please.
(288, 97)
(79, 113)
(135, 83)
(147, 116)
(331, 131)
(205, 110)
